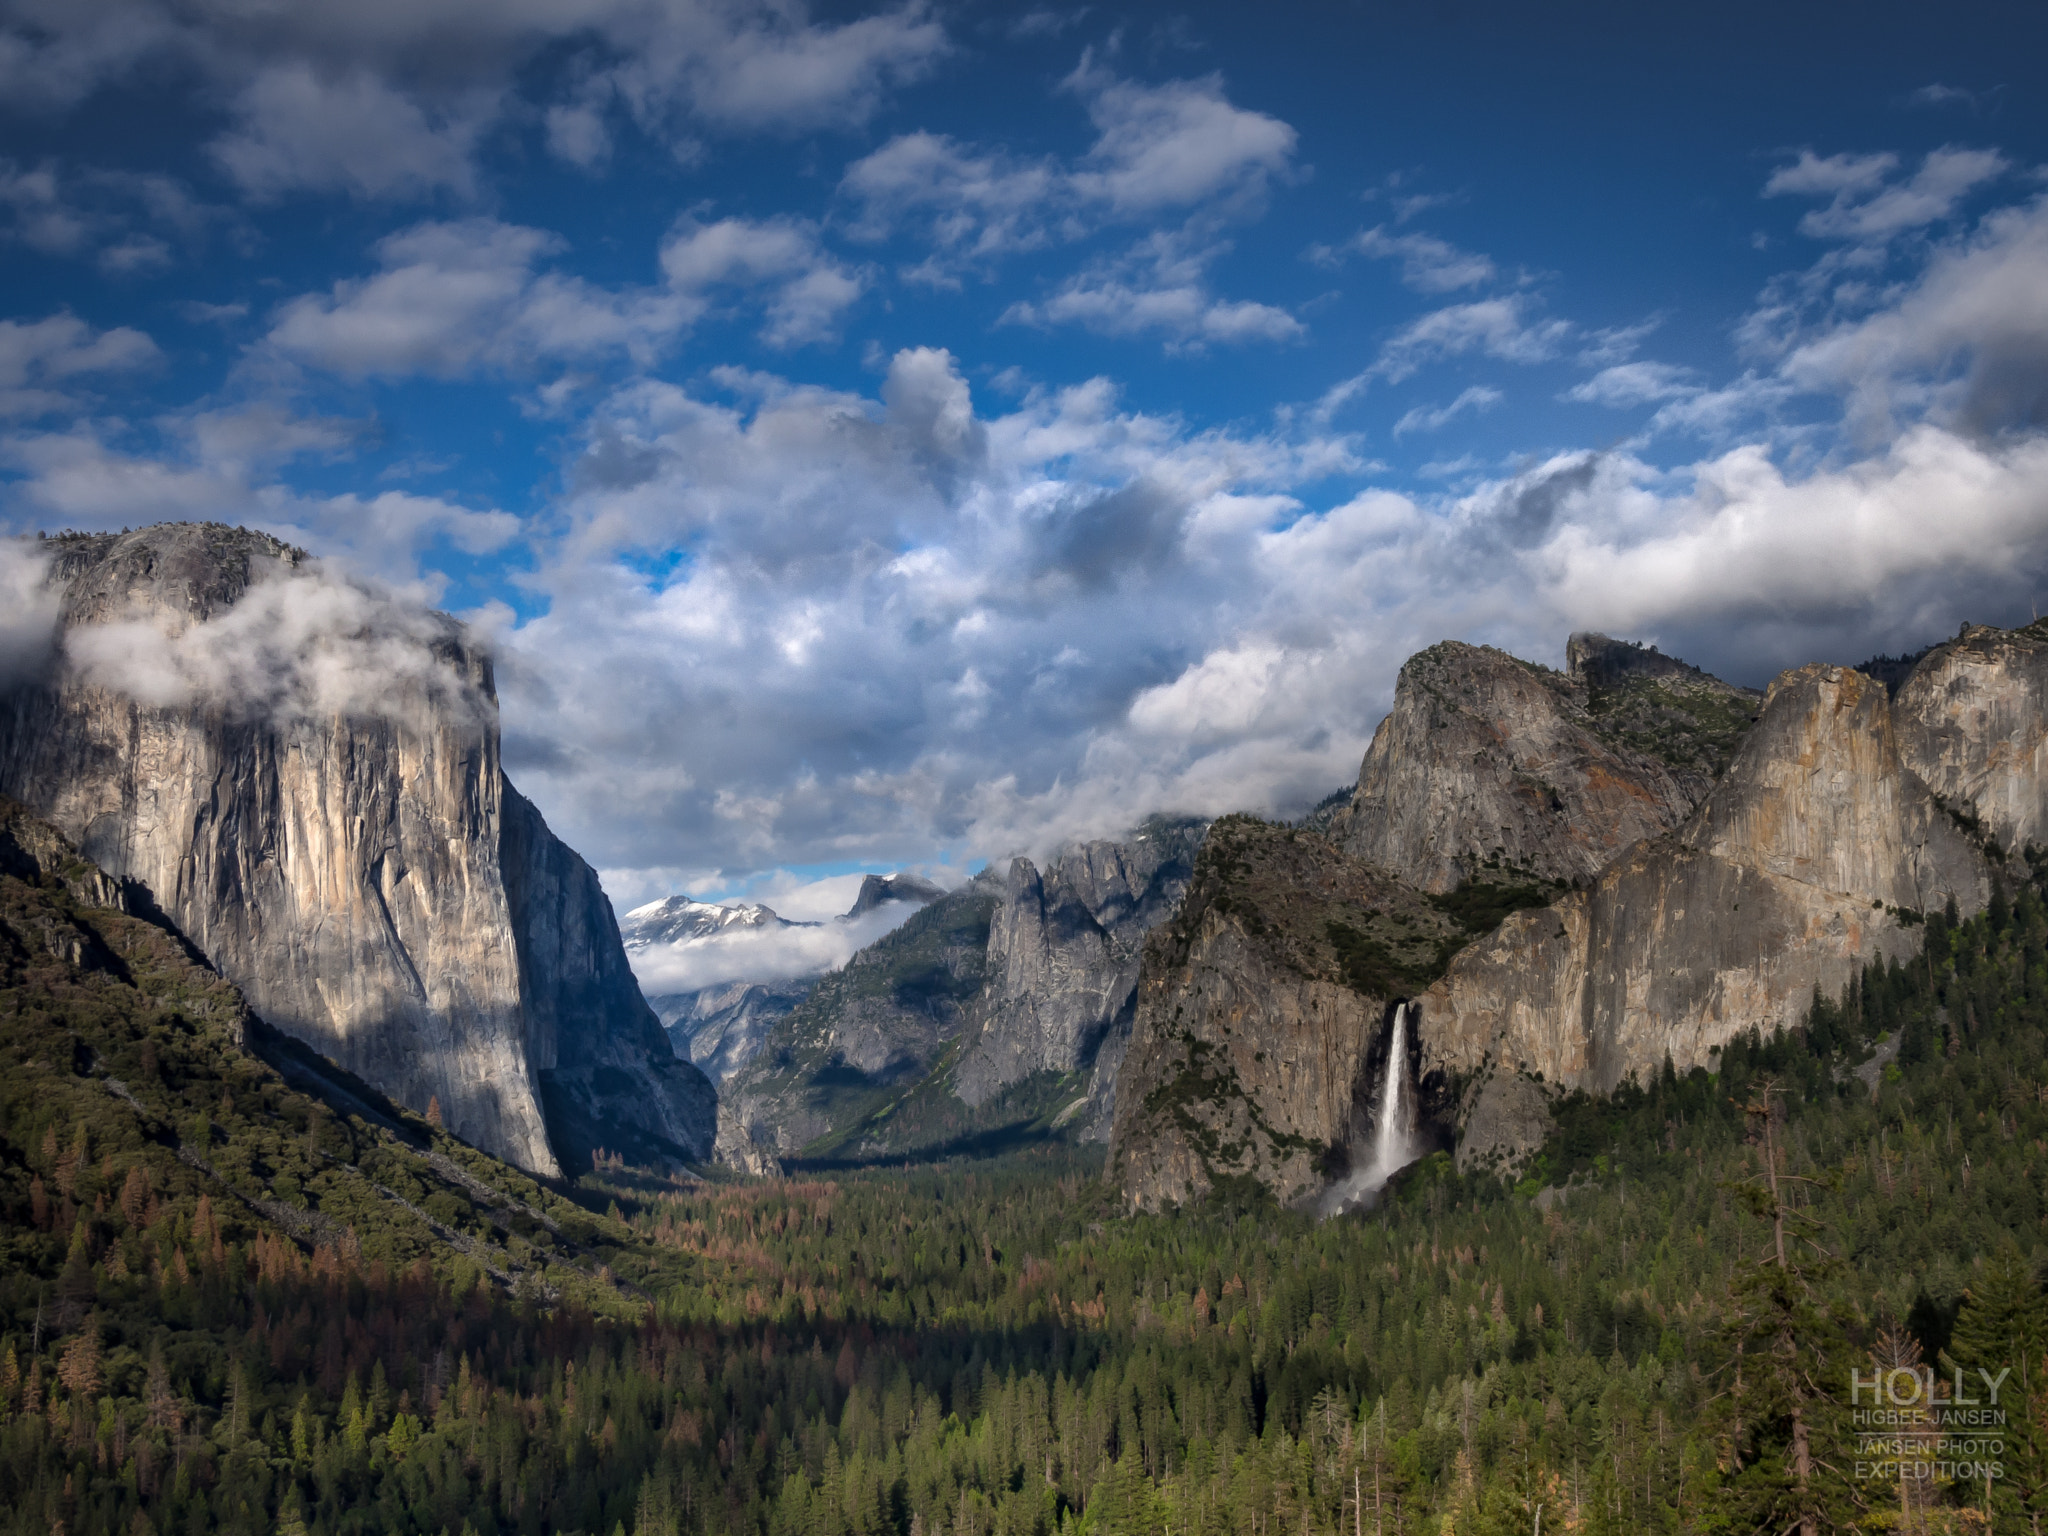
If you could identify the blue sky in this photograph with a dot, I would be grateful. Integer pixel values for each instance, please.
(908, 435)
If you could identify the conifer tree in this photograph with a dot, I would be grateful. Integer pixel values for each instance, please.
(2001, 1336)
(1784, 1421)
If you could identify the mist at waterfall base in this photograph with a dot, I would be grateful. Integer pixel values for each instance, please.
(1395, 1139)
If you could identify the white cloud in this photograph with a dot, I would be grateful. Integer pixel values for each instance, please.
(392, 100)
(1479, 397)
(915, 625)
(75, 479)
(41, 359)
(299, 644)
(1158, 286)
(1186, 312)
(769, 67)
(457, 297)
(1830, 175)
(1969, 339)
(577, 134)
(1863, 207)
(1502, 328)
(296, 129)
(75, 211)
(807, 290)
(764, 954)
(1175, 144)
(28, 613)
(1631, 384)
(976, 205)
(1428, 265)
(1179, 145)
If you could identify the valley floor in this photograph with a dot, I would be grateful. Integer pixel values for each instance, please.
(322, 1330)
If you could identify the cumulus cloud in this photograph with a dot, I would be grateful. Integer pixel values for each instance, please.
(1178, 147)
(41, 359)
(1632, 384)
(126, 222)
(77, 479)
(1174, 144)
(297, 129)
(768, 66)
(806, 290)
(1159, 286)
(1505, 328)
(975, 205)
(454, 298)
(1968, 341)
(908, 622)
(393, 100)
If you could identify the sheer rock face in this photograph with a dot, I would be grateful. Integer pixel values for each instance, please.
(1484, 761)
(720, 1028)
(1790, 876)
(880, 1022)
(1062, 969)
(608, 1075)
(1252, 1051)
(1973, 723)
(1812, 853)
(370, 880)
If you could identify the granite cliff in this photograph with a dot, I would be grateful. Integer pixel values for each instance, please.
(863, 1036)
(1816, 852)
(1061, 974)
(1007, 1003)
(1487, 763)
(304, 776)
(1260, 1007)
(1689, 861)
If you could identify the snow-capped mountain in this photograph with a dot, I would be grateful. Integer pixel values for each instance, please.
(685, 920)
(718, 974)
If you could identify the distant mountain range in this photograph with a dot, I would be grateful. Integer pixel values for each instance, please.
(719, 1026)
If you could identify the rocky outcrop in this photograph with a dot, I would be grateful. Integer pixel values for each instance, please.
(1488, 764)
(1260, 1005)
(305, 777)
(1007, 1002)
(1062, 968)
(864, 1033)
(1973, 724)
(721, 1028)
(720, 1025)
(1827, 823)
(1815, 853)
(880, 890)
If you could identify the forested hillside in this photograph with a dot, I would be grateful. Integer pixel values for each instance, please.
(231, 1303)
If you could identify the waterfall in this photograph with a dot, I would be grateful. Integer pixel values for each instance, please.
(1393, 1127)
(1393, 1141)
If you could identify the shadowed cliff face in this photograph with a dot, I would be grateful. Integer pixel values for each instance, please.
(1259, 1005)
(1062, 968)
(1488, 763)
(305, 776)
